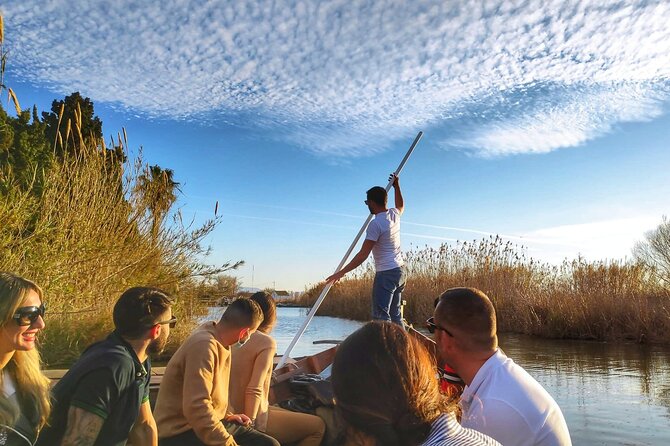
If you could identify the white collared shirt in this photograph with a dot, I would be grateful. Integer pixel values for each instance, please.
(506, 403)
(8, 386)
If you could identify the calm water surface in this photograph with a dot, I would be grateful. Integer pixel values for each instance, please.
(610, 393)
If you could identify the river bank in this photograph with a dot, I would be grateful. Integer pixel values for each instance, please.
(603, 300)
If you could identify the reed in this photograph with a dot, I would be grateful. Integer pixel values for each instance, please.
(88, 234)
(605, 300)
(86, 223)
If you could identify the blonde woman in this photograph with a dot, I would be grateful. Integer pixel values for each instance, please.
(250, 376)
(24, 399)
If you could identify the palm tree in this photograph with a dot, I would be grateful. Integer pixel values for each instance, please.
(158, 190)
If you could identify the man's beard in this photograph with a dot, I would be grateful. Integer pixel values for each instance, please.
(158, 345)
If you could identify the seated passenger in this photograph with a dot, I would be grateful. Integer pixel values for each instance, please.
(250, 386)
(104, 398)
(387, 392)
(192, 405)
(24, 400)
(501, 399)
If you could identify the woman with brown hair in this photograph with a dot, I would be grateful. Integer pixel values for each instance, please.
(250, 376)
(387, 392)
(24, 399)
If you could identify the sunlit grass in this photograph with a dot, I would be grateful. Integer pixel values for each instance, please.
(608, 300)
(87, 234)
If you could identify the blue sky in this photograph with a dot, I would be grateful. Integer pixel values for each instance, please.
(545, 122)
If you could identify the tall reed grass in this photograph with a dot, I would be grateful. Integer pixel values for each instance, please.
(86, 236)
(86, 223)
(606, 300)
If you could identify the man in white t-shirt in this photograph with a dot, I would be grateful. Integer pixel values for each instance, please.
(501, 399)
(383, 240)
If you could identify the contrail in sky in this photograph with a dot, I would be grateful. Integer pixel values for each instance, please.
(519, 238)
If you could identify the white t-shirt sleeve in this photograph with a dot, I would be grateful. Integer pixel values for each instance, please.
(373, 232)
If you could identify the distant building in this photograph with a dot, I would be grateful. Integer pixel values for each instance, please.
(281, 295)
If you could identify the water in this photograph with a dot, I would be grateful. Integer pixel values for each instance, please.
(610, 393)
(289, 321)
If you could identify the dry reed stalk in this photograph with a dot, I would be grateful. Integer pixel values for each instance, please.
(15, 100)
(58, 140)
(577, 299)
(89, 239)
(68, 128)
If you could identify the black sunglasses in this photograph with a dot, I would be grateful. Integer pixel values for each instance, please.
(432, 326)
(172, 322)
(25, 316)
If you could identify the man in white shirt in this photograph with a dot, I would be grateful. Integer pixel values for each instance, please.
(501, 399)
(383, 240)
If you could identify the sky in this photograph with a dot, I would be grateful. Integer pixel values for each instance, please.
(544, 122)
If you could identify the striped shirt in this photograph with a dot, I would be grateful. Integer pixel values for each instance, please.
(446, 431)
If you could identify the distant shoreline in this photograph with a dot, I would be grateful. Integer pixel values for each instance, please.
(292, 305)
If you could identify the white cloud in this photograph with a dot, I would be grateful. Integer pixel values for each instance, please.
(348, 77)
(607, 239)
(562, 122)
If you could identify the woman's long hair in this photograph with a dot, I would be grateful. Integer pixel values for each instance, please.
(32, 386)
(386, 387)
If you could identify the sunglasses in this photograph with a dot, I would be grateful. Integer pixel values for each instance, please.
(432, 326)
(172, 322)
(25, 316)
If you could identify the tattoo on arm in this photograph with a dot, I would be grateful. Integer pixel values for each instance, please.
(82, 427)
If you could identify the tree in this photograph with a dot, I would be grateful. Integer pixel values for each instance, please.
(225, 285)
(158, 190)
(72, 105)
(655, 251)
(24, 148)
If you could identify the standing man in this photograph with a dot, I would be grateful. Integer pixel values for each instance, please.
(501, 399)
(382, 238)
(192, 406)
(103, 400)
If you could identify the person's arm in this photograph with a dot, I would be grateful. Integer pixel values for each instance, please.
(145, 431)
(256, 385)
(397, 198)
(358, 259)
(93, 399)
(82, 427)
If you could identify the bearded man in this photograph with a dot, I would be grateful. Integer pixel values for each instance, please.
(103, 400)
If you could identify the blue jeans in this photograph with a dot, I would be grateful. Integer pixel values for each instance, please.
(386, 295)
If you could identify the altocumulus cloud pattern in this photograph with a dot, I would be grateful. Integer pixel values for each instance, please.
(345, 78)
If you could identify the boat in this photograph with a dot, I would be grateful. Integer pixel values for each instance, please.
(279, 388)
(315, 364)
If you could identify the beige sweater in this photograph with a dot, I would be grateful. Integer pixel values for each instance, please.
(250, 377)
(194, 390)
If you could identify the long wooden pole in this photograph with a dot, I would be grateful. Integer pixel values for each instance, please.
(325, 291)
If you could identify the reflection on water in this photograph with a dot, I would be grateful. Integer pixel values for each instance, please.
(610, 393)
